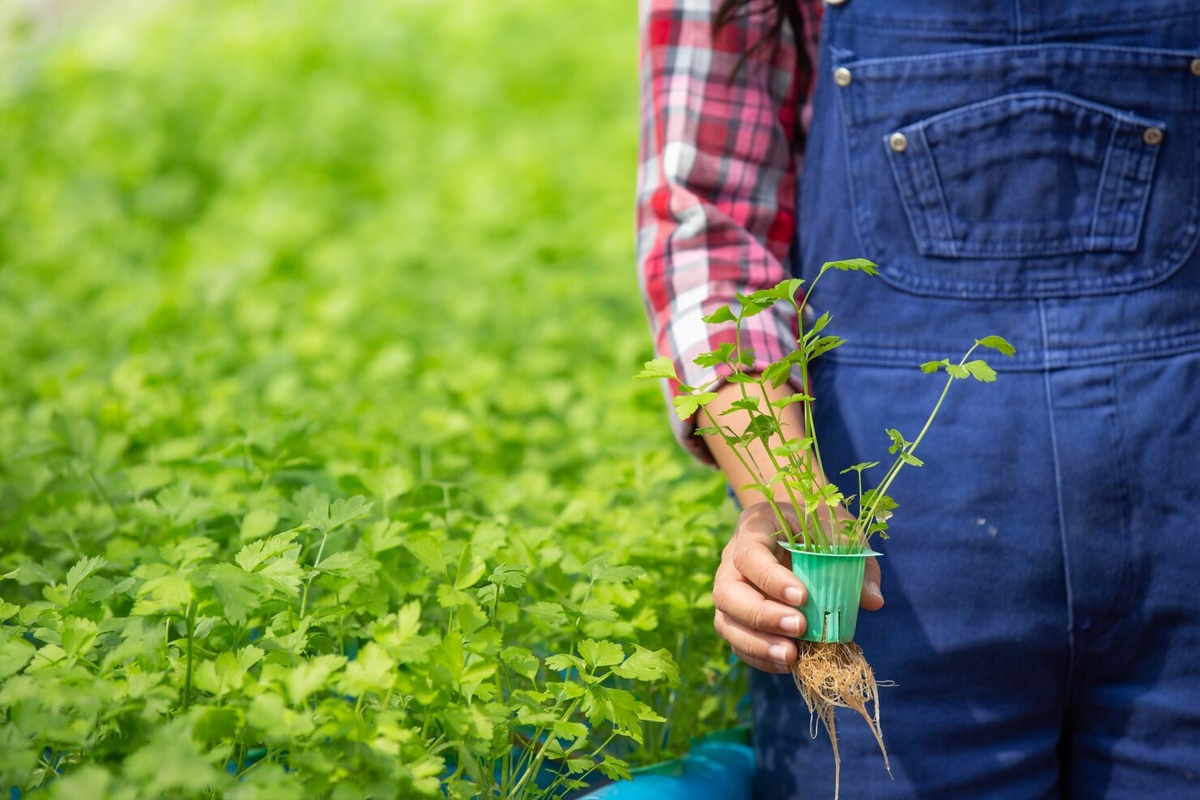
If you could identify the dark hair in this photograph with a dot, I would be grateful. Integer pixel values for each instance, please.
(781, 11)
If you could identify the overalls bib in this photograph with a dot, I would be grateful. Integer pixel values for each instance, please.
(1031, 169)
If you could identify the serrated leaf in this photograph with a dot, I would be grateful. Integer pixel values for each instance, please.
(239, 592)
(257, 523)
(930, 367)
(997, 343)
(599, 569)
(329, 518)
(716, 357)
(722, 314)
(14, 655)
(661, 367)
(470, 569)
(167, 594)
(980, 371)
(784, 402)
(601, 653)
(349, 564)
(550, 613)
(514, 575)
(957, 371)
(521, 661)
(562, 662)
(310, 676)
(82, 569)
(687, 404)
(255, 554)
(78, 635)
(649, 665)
(428, 550)
(909, 458)
(852, 265)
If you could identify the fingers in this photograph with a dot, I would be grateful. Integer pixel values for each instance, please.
(872, 595)
(755, 595)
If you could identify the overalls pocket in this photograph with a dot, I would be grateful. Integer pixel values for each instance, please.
(1026, 174)
(1046, 170)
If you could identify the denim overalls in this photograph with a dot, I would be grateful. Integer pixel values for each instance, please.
(1028, 168)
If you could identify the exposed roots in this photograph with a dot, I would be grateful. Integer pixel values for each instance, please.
(832, 675)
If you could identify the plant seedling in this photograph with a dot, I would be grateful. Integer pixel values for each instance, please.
(828, 674)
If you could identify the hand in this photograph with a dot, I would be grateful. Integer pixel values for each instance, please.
(756, 594)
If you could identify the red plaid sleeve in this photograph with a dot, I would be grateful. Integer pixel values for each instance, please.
(716, 177)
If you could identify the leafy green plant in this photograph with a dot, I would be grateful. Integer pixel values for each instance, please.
(270, 370)
(830, 670)
(795, 462)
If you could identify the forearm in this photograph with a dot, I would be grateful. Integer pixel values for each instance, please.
(757, 466)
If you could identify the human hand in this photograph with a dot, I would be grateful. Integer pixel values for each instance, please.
(756, 594)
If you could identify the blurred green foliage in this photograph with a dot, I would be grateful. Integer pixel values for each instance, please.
(318, 318)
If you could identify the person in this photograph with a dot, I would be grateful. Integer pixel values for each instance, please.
(1029, 169)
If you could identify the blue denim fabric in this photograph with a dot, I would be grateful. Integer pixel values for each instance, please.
(1041, 581)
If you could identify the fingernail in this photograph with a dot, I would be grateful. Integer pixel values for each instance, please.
(794, 595)
(872, 588)
(778, 653)
(790, 624)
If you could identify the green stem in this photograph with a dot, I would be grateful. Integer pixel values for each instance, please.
(190, 615)
(536, 764)
(898, 464)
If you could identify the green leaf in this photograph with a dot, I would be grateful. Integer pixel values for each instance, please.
(930, 367)
(342, 511)
(550, 613)
(784, 402)
(255, 554)
(715, 358)
(722, 314)
(311, 676)
(521, 661)
(14, 655)
(852, 265)
(167, 594)
(909, 458)
(601, 653)
(777, 373)
(82, 569)
(649, 665)
(349, 564)
(957, 371)
(240, 592)
(599, 569)
(997, 343)
(428, 550)
(661, 367)
(514, 575)
(860, 467)
(980, 371)
(78, 636)
(754, 304)
(744, 404)
(470, 569)
(793, 446)
(562, 662)
(687, 404)
(257, 523)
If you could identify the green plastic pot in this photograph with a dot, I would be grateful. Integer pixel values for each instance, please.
(834, 581)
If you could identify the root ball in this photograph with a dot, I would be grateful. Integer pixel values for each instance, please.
(833, 675)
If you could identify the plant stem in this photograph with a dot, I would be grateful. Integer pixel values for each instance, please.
(896, 466)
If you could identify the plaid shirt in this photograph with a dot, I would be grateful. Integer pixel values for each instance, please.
(716, 209)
